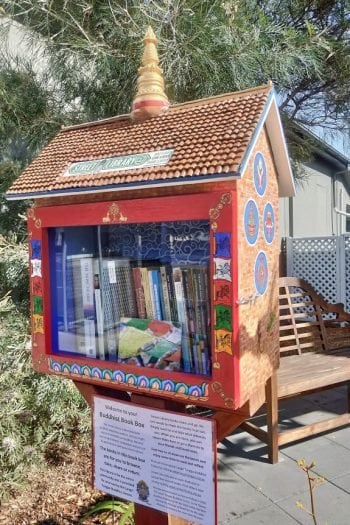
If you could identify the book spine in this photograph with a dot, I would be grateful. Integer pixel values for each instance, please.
(171, 292)
(139, 293)
(155, 294)
(132, 306)
(165, 293)
(146, 289)
(77, 293)
(87, 285)
(69, 311)
(201, 318)
(98, 310)
(125, 290)
(109, 309)
(197, 309)
(179, 295)
(189, 309)
(205, 314)
(189, 300)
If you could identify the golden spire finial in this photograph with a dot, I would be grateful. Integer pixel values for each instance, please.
(150, 99)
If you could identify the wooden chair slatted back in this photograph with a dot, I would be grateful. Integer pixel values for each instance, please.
(301, 323)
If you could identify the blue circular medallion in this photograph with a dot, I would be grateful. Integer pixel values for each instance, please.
(251, 222)
(269, 223)
(261, 273)
(260, 174)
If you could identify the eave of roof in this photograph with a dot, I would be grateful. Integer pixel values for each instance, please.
(200, 179)
(324, 149)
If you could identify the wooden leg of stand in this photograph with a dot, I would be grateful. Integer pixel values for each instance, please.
(272, 418)
(227, 423)
(173, 520)
(88, 391)
(146, 516)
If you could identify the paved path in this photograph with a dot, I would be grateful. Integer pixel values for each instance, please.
(254, 492)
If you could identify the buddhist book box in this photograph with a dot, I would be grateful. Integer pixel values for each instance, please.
(154, 246)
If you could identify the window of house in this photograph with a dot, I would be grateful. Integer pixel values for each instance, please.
(347, 219)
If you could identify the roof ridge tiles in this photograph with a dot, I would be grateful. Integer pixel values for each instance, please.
(264, 89)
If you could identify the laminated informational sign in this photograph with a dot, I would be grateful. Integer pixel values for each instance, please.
(156, 458)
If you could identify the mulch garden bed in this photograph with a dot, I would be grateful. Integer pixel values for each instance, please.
(58, 495)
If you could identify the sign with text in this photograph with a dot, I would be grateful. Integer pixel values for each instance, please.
(122, 163)
(156, 458)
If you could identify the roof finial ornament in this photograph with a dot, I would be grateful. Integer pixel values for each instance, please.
(150, 99)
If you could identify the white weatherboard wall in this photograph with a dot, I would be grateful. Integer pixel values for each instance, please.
(312, 207)
(311, 213)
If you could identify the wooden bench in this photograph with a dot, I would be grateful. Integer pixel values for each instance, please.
(315, 356)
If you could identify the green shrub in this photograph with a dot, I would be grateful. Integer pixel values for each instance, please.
(36, 411)
(14, 271)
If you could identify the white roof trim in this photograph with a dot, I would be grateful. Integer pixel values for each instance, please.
(271, 118)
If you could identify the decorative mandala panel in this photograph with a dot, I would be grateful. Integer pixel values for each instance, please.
(176, 242)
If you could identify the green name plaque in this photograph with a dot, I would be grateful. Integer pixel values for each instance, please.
(122, 163)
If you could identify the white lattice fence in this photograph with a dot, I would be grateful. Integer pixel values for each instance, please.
(347, 271)
(324, 262)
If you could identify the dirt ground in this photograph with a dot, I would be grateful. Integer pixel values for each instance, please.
(59, 495)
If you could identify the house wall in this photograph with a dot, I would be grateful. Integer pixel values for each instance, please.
(311, 212)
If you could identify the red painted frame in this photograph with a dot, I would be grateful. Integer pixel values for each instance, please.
(221, 390)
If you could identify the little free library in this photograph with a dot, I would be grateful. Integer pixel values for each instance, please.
(154, 251)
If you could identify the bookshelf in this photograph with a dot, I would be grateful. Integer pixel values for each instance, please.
(161, 296)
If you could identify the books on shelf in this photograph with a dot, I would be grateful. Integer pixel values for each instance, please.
(78, 333)
(109, 305)
(118, 299)
(112, 309)
(150, 342)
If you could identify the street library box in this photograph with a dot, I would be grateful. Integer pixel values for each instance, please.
(154, 250)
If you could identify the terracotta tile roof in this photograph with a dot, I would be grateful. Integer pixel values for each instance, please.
(208, 136)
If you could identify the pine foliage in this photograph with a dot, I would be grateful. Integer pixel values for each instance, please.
(14, 271)
(206, 47)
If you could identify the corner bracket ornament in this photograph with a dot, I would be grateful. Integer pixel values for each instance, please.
(114, 215)
(31, 215)
(214, 213)
(218, 389)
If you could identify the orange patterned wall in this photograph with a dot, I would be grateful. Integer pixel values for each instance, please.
(258, 318)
